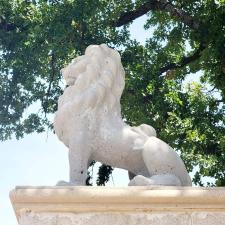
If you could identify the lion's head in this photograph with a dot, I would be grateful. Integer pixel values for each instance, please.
(96, 82)
(96, 78)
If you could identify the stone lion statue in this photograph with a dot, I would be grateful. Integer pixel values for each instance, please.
(89, 123)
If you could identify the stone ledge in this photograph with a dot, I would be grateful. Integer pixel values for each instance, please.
(73, 202)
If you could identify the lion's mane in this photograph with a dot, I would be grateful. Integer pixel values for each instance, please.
(95, 83)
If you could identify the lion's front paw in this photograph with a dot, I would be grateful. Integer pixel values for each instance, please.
(140, 180)
(64, 183)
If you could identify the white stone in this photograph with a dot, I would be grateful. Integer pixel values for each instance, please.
(73, 205)
(89, 122)
(105, 219)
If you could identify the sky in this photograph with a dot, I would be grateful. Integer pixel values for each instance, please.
(41, 159)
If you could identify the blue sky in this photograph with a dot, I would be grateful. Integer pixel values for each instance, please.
(41, 159)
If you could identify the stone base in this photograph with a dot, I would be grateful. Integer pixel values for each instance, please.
(119, 206)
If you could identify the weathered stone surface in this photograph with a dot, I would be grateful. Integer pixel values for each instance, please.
(169, 218)
(106, 219)
(208, 218)
(119, 206)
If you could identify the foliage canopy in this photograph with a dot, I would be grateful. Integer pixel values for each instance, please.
(37, 38)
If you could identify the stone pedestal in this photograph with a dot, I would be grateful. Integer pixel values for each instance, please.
(119, 206)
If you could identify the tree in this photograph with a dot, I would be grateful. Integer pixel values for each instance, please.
(37, 38)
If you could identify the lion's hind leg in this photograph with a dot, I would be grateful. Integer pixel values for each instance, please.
(148, 130)
(159, 179)
(145, 130)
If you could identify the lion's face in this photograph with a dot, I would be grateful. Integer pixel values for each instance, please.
(97, 55)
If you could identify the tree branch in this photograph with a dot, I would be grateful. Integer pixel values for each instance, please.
(6, 26)
(184, 61)
(161, 5)
(219, 100)
(51, 80)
